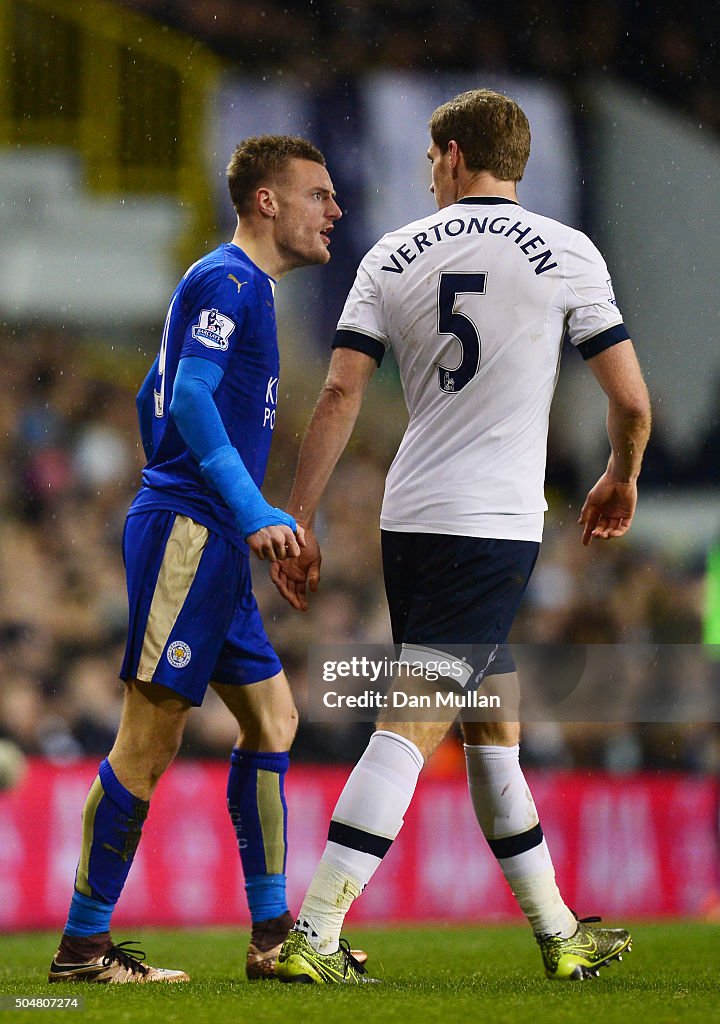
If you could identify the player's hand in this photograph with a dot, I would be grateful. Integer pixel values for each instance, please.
(272, 543)
(293, 576)
(608, 510)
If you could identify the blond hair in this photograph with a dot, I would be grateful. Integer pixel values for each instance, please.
(490, 129)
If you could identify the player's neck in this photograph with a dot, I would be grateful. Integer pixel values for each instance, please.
(261, 250)
(482, 183)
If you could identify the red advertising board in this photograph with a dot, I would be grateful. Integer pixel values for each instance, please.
(643, 845)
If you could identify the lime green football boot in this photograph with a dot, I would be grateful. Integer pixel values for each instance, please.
(298, 962)
(584, 953)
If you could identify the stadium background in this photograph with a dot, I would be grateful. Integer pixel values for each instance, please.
(116, 122)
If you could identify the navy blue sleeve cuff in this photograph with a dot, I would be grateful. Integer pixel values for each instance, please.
(360, 343)
(599, 342)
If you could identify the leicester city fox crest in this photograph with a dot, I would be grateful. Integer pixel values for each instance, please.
(213, 329)
(179, 654)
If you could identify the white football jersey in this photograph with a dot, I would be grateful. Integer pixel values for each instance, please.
(474, 302)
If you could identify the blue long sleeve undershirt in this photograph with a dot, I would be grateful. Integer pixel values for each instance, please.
(197, 418)
(193, 407)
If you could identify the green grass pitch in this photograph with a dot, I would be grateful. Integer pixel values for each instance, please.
(484, 974)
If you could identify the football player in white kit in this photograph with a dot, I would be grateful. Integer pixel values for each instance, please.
(474, 302)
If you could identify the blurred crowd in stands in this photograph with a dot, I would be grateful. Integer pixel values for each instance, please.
(70, 461)
(669, 51)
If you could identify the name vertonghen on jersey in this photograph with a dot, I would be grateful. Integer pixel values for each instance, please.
(470, 226)
(442, 295)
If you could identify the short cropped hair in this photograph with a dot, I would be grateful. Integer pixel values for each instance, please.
(264, 160)
(491, 130)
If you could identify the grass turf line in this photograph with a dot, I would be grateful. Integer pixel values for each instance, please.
(429, 974)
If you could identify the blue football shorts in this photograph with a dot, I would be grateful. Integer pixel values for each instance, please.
(456, 595)
(193, 616)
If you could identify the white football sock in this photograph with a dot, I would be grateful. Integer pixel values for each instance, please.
(507, 815)
(366, 819)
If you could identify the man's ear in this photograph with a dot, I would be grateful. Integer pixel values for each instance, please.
(266, 202)
(455, 155)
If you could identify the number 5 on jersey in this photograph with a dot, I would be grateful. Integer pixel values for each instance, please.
(461, 327)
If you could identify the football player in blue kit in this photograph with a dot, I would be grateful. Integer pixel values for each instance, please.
(207, 412)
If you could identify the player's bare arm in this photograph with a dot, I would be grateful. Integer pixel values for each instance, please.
(327, 435)
(610, 506)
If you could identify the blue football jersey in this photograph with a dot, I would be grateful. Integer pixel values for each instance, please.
(222, 310)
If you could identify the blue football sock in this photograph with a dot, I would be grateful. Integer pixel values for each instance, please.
(88, 916)
(266, 896)
(112, 825)
(256, 802)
